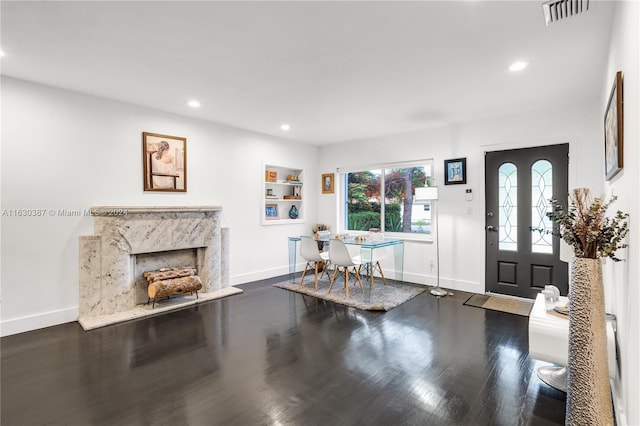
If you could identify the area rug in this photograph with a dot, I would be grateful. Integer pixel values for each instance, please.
(382, 298)
(502, 304)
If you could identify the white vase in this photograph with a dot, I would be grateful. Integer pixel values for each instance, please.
(588, 390)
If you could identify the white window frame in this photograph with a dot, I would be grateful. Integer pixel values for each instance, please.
(341, 190)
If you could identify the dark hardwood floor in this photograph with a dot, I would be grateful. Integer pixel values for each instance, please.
(272, 357)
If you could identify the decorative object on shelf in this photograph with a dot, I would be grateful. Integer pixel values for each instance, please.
(296, 192)
(613, 130)
(164, 160)
(455, 171)
(293, 212)
(271, 211)
(327, 183)
(593, 237)
(271, 176)
(293, 179)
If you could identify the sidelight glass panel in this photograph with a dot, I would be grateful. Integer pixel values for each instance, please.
(508, 207)
(541, 193)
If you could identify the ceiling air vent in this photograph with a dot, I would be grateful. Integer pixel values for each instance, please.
(556, 10)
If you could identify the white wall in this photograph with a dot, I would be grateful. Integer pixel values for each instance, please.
(63, 150)
(462, 235)
(622, 279)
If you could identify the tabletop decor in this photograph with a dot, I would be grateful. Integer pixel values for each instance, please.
(593, 237)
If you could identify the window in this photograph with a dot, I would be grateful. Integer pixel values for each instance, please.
(384, 198)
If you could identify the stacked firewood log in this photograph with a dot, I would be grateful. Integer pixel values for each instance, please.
(168, 282)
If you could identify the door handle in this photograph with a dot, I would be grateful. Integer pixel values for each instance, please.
(491, 228)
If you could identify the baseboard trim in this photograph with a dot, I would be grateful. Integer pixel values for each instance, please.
(262, 275)
(34, 322)
(431, 280)
(62, 316)
(428, 280)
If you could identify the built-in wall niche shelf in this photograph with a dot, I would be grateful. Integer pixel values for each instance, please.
(283, 195)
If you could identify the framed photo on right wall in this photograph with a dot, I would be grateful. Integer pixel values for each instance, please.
(455, 171)
(613, 130)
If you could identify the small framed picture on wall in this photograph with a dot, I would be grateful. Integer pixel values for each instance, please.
(327, 183)
(455, 171)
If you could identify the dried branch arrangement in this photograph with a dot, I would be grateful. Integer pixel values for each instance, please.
(587, 229)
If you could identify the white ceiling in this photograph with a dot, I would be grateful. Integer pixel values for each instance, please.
(333, 70)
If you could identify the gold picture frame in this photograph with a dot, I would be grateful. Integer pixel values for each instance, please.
(164, 160)
(327, 183)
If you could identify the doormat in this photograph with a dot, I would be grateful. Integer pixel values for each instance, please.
(502, 304)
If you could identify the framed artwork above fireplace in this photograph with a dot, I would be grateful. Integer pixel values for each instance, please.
(164, 161)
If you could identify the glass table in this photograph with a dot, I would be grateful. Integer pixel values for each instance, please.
(368, 257)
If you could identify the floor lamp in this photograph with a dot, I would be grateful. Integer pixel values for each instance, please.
(430, 193)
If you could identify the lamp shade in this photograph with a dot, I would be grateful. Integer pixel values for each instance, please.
(427, 193)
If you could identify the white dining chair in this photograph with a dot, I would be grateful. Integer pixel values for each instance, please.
(341, 258)
(314, 257)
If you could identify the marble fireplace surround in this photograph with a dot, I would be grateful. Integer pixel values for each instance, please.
(107, 293)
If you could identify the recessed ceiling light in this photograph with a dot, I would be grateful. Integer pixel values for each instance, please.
(518, 66)
(194, 104)
(285, 127)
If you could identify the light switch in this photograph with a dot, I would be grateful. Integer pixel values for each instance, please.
(468, 195)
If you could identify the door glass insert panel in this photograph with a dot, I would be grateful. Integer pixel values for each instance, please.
(508, 207)
(541, 193)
